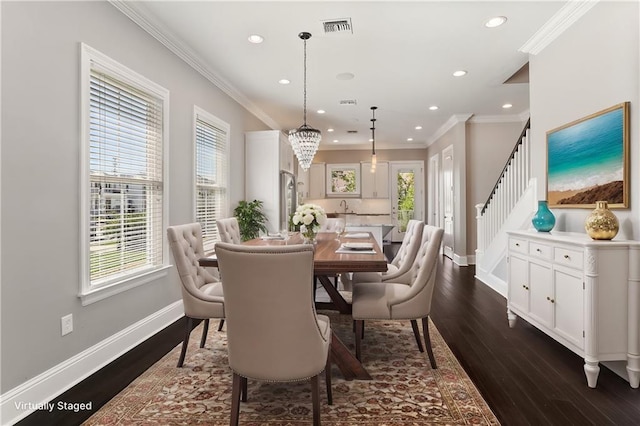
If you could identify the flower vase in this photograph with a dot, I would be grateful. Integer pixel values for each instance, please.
(543, 220)
(601, 224)
(309, 237)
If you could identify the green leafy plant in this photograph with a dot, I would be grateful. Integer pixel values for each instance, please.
(251, 219)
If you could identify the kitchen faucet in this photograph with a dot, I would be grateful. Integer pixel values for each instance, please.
(346, 207)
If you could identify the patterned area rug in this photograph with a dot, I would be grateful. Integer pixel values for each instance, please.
(404, 390)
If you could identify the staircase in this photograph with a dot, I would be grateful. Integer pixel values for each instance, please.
(510, 206)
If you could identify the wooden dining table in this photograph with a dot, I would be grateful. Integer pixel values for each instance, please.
(328, 263)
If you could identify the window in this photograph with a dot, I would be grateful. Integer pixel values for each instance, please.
(343, 180)
(211, 140)
(123, 180)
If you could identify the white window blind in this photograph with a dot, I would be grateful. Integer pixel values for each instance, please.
(126, 179)
(211, 140)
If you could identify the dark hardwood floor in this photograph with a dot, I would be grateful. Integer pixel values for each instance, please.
(526, 377)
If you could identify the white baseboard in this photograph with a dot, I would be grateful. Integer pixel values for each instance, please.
(35, 393)
(460, 260)
(493, 282)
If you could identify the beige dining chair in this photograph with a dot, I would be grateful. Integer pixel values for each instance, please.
(229, 230)
(399, 301)
(202, 296)
(399, 269)
(273, 331)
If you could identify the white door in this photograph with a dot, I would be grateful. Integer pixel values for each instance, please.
(433, 191)
(447, 199)
(407, 199)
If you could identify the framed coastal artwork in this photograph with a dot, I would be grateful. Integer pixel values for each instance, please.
(588, 160)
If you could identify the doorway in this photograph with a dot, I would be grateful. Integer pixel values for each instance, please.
(407, 199)
(435, 206)
(447, 202)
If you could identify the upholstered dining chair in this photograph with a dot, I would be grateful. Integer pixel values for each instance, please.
(202, 296)
(399, 269)
(399, 301)
(229, 230)
(273, 331)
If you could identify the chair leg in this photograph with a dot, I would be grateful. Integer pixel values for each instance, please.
(244, 389)
(416, 332)
(221, 324)
(185, 341)
(315, 399)
(335, 281)
(235, 399)
(327, 378)
(358, 333)
(315, 286)
(427, 341)
(205, 330)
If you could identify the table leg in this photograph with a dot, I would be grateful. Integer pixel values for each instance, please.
(348, 364)
(335, 296)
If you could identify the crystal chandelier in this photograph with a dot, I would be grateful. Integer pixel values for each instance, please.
(374, 161)
(305, 139)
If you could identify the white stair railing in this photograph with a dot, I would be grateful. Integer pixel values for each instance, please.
(506, 193)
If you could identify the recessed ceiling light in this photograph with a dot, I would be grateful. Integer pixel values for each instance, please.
(370, 140)
(409, 139)
(505, 106)
(459, 73)
(345, 76)
(496, 21)
(329, 130)
(433, 107)
(284, 81)
(418, 127)
(256, 39)
(321, 111)
(335, 141)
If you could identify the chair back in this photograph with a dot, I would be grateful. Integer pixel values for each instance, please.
(416, 302)
(413, 227)
(197, 287)
(229, 230)
(273, 332)
(332, 224)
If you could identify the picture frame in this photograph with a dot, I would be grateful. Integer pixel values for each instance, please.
(588, 160)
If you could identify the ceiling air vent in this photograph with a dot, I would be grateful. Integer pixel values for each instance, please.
(337, 26)
(348, 102)
(352, 132)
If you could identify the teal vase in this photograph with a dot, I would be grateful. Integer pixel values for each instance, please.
(543, 220)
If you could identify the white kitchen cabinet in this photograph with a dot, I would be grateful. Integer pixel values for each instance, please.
(303, 185)
(375, 185)
(583, 293)
(267, 154)
(317, 181)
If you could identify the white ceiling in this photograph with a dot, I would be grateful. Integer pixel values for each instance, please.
(402, 55)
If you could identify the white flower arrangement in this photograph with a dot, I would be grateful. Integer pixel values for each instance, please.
(308, 218)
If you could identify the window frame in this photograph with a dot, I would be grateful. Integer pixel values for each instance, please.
(331, 168)
(90, 293)
(210, 119)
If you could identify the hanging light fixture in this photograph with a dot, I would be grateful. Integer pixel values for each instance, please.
(305, 139)
(373, 139)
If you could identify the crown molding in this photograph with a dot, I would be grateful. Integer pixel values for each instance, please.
(559, 23)
(452, 121)
(513, 118)
(171, 42)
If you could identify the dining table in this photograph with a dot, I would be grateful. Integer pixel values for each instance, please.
(333, 254)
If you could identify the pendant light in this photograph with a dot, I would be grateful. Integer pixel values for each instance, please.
(373, 139)
(305, 139)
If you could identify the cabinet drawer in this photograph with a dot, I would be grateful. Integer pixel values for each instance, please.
(540, 251)
(518, 245)
(570, 258)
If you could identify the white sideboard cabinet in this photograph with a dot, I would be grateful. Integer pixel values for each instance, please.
(583, 293)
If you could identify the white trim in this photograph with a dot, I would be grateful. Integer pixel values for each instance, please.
(460, 260)
(448, 125)
(164, 36)
(494, 283)
(46, 386)
(512, 118)
(559, 23)
(471, 259)
(91, 296)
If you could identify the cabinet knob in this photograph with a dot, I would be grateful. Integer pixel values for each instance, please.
(550, 299)
(566, 256)
(538, 250)
(517, 244)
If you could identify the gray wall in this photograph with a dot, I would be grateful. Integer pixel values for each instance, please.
(591, 66)
(40, 169)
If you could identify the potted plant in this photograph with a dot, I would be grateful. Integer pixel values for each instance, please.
(251, 219)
